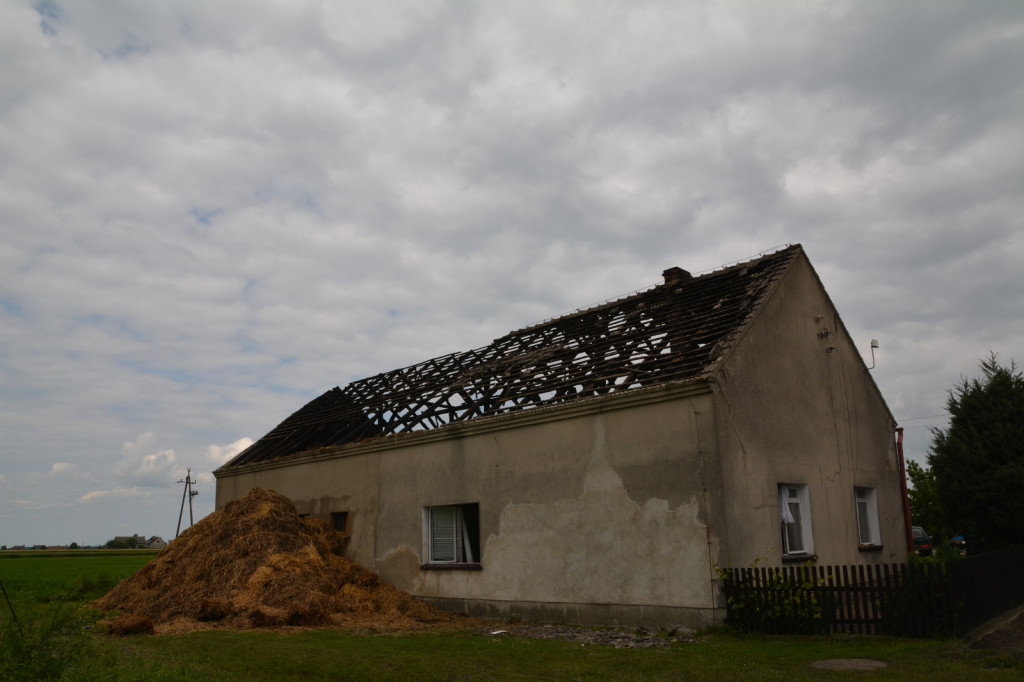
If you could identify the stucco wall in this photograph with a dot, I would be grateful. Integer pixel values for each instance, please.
(797, 405)
(595, 514)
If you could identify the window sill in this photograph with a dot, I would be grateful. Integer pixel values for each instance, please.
(870, 548)
(451, 567)
(798, 558)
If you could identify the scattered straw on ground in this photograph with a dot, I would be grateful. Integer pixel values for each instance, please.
(257, 564)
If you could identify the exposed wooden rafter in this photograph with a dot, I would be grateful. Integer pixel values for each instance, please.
(673, 332)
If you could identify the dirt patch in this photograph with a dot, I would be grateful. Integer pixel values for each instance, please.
(257, 564)
(622, 638)
(849, 664)
(1007, 638)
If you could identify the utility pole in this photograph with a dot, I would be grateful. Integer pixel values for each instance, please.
(189, 493)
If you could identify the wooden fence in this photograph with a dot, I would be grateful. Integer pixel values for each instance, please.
(918, 600)
(986, 585)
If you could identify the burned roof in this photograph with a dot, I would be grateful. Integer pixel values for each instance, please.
(676, 331)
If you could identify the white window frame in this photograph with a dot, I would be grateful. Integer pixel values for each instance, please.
(446, 537)
(797, 531)
(866, 508)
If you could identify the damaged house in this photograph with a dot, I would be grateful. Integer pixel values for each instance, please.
(597, 467)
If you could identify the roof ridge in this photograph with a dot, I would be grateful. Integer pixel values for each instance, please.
(778, 248)
(642, 290)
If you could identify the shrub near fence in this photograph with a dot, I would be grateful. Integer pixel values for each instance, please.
(894, 599)
(773, 600)
(918, 600)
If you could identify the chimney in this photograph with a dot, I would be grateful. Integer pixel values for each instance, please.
(675, 276)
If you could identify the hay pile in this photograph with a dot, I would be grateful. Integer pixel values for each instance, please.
(256, 563)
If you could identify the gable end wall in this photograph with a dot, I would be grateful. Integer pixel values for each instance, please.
(796, 404)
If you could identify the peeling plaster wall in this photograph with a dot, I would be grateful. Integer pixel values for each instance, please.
(602, 516)
(607, 508)
(797, 405)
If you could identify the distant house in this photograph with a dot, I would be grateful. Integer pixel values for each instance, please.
(139, 541)
(131, 540)
(155, 542)
(597, 467)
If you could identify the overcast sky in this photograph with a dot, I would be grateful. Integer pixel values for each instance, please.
(212, 212)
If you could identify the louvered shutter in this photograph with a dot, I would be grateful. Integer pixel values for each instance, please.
(443, 524)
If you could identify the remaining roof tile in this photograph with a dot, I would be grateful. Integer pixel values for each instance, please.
(675, 332)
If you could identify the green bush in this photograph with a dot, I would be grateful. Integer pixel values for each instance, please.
(40, 641)
(785, 602)
(92, 587)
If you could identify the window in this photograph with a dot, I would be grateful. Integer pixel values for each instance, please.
(795, 510)
(867, 517)
(339, 521)
(453, 536)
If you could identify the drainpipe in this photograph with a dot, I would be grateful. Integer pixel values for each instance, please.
(903, 489)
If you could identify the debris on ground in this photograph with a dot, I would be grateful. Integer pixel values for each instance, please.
(257, 564)
(621, 638)
(849, 664)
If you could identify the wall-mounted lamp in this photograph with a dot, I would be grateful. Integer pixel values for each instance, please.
(874, 345)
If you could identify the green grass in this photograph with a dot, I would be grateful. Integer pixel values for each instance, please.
(44, 631)
(55, 641)
(46, 575)
(336, 655)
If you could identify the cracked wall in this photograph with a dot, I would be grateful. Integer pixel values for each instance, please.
(560, 522)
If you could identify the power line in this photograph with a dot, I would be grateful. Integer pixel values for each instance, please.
(932, 416)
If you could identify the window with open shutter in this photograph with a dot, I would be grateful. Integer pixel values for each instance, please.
(444, 524)
(453, 535)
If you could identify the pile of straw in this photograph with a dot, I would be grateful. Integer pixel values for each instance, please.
(257, 563)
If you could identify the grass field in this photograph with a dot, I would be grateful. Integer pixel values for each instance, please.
(82, 652)
(44, 575)
(334, 655)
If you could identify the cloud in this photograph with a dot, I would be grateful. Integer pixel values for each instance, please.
(216, 455)
(144, 464)
(214, 212)
(115, 493)
(219, 454)
(62, 468)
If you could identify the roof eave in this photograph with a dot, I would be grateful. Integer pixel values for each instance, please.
(613, 401)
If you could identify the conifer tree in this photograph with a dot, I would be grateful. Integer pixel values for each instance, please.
(978, 461)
